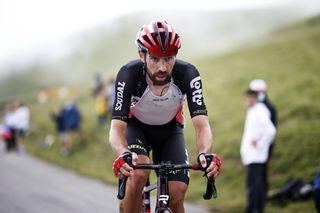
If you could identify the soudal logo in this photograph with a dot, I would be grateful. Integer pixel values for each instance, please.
(197, 94)
(119, 101)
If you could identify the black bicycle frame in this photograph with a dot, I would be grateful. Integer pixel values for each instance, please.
(163, 190)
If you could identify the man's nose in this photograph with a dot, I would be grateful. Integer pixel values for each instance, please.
(162, 65)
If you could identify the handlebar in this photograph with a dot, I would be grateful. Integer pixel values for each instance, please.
(168, 166)
(211, 191)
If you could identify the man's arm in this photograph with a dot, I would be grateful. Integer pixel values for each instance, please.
(119, 145)
(204, 144)
(203, 133)
(117, 138)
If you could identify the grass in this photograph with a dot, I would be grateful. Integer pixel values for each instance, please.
(288, 61)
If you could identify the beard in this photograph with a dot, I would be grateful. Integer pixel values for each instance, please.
(153, 78)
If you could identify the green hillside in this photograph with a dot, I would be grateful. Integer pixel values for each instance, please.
(289, 62)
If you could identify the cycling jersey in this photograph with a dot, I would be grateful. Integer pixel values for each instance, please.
(134, 98)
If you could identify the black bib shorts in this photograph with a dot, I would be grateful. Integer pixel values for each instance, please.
(165, 142)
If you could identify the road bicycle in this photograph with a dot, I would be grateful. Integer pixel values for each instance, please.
(162, 198)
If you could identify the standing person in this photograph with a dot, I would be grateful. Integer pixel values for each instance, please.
(258, 134)
(147, 115)
(10, 122)
(71, 117)
(260, 86)
(22, 126)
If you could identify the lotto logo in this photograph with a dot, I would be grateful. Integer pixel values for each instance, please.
(197, 93)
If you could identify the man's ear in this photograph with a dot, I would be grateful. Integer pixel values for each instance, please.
(142, 56)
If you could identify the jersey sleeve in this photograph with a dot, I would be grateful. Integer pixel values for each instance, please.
(193, 88)
(123, 92)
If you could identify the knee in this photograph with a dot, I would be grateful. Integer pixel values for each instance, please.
(177, 193)
(139, 177)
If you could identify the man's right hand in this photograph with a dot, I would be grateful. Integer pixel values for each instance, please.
(122, 165)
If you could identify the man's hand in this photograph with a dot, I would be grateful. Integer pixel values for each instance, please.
(122, 165)
(212, 170)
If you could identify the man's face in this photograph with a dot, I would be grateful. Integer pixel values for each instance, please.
(159, 69)
(250, 100)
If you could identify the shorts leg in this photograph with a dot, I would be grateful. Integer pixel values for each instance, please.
(136, 139)
(173, 150)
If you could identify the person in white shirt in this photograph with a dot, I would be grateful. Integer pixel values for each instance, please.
(10, 122)
(258, 134)
(22, 116)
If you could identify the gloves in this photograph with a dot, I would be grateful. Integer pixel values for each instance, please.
(125, 157)
(211, 157)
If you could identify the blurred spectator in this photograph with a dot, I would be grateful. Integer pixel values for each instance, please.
(58, 121)
(99, 85)
(257, 136)
(111, 94)
(6, 135)
(101, 108)
(71, 119)
(10, 122)
(260, 86)
(22, 115)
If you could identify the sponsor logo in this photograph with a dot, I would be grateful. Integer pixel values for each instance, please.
(164, 198)
(197, 94)
(120, 89)
(160, 99)
(136, 146)
(200, 112)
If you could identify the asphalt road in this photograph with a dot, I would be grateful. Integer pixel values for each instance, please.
(29, 185)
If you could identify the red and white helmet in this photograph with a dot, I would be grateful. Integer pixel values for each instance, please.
(159, 39)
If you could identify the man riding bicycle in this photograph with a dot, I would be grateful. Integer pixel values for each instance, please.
(148, 115)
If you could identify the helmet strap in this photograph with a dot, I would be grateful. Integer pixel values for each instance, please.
(144, 68)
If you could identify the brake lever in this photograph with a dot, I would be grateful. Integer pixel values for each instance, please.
(211, 190)
(122, 188)
(122, 183)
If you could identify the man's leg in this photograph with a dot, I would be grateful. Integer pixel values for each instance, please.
(250, 188)
(177, 191)
(174, 150)
(260, 187)
(132, 201)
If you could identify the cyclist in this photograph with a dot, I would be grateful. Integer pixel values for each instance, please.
(147, 115)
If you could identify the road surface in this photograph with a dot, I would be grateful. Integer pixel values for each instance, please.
(29, 185)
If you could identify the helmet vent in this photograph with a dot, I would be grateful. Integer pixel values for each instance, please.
(145, 37)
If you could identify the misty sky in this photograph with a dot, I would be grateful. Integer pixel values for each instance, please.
(28, 28)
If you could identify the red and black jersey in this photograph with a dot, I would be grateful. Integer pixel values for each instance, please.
(133, 96)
